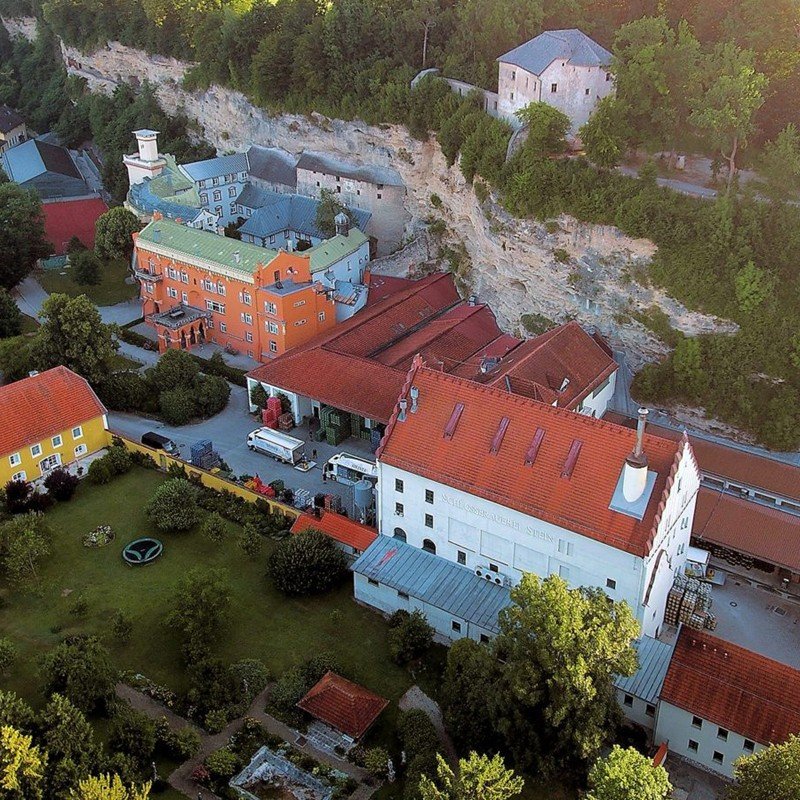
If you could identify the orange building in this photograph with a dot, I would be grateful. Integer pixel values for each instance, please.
(197, 286)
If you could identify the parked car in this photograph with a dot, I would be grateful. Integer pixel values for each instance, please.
(159, 442)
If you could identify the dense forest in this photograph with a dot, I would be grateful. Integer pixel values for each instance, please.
(680, 67)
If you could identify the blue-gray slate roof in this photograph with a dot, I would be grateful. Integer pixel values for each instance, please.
(434, 580)
(217, 167)
(275, 212)
(273, 165)
(141, 198)
(646, 682)
(45, 167)
(570, 45)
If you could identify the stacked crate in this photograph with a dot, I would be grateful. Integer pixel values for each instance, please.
(285, 421)
(333, 503)
(203, 455)
(688, 603)
(336, 425)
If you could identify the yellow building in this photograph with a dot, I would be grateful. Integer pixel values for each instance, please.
(50, 419)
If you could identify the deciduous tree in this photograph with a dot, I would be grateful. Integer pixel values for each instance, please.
(21, 766)
(109, 787)
(780, 164)
(113, 233)
(627, 774)
(547, 128)
(22, 235)
(10, 315)
(73, 334)
(478, 777)
(771, 774)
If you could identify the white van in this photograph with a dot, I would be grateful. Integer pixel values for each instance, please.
(349, 469)
(276, 444)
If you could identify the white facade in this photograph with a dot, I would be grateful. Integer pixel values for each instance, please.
(575, 90)
(484, 535)
(146, 162)
(447, 626)
(596, 404)
(699, 740)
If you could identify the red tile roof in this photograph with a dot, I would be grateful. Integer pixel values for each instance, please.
(383, 286)
(361, 364)
(342, 529)
(539, 367)
(38, 407)
(464, 460)
(739, 466)
(735, 688)
(344, 705)
(760, 531)
(63, 220)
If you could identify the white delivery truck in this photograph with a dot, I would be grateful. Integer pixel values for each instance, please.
(349, 469)
(279, 445)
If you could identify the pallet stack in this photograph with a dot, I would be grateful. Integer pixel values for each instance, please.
(689, 603)
(203, 455)
(271, 413)
(336, 425)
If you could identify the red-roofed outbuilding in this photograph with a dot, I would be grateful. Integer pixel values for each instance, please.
(64, 219)
(352, 536)
(343, 705)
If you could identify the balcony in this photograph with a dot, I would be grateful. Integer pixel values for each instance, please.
(146, 275)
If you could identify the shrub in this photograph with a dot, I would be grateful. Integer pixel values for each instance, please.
(214, 528)
(86, 268)
(436, 201)
(61, 484)
(411, 638)
(376, 761)
(134, 734)
(177, 406)
(100, 471)
(18, 494)
(423, 764)
(8, 655)
(251, 676)
(119, 459)
(180, 745)
(122, 627)
(258, 396)
(308, 563)
(313, 669)
(250, 541)
(211, 395)
(561, 255)
(215, 720)
(173, 506)
(417, 733)
(222, 764)
(288, 690)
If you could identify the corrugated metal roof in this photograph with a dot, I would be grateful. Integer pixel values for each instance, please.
(216, 167)
(273, 165)
(142, 197)
(646, 682)
(206, 246)
(434, 580)
(328, 165)
(572, 45)
(334, 250)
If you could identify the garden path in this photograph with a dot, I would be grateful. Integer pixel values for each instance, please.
(181, 778)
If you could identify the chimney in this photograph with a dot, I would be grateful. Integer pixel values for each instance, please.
(401, 417)
(156, 234)
(237, 256)
(414, 399)
(634, 475)
(473, 300)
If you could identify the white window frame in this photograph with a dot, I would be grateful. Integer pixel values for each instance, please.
(36, 450)
(80, 450)
(273, 346)
(57, 440)
(15, 459)
(20, 476)
(172, 292)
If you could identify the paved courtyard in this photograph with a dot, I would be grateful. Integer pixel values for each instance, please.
(758, 619)
(228, 431)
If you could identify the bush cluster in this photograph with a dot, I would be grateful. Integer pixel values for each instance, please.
(307, 563)
(173, 506)
(421, 744)
(410, 635)
(294, 684)
(117, 461)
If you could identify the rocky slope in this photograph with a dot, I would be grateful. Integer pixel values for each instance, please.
(513, 266)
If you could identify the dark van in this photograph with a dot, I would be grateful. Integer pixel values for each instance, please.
(159, 442)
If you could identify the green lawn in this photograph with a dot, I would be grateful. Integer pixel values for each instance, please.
(263, 624)
(111, 289)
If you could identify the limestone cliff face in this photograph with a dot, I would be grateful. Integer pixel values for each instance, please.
(513, 266)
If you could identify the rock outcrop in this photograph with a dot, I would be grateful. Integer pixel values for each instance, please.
(559, 271)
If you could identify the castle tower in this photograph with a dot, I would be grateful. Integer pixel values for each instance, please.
(146, 163)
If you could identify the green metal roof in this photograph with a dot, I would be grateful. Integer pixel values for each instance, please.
(333, 250)
(207, 246)
(172, 185)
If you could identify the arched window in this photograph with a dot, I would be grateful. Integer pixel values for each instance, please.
(400, 534)
(428, 546)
